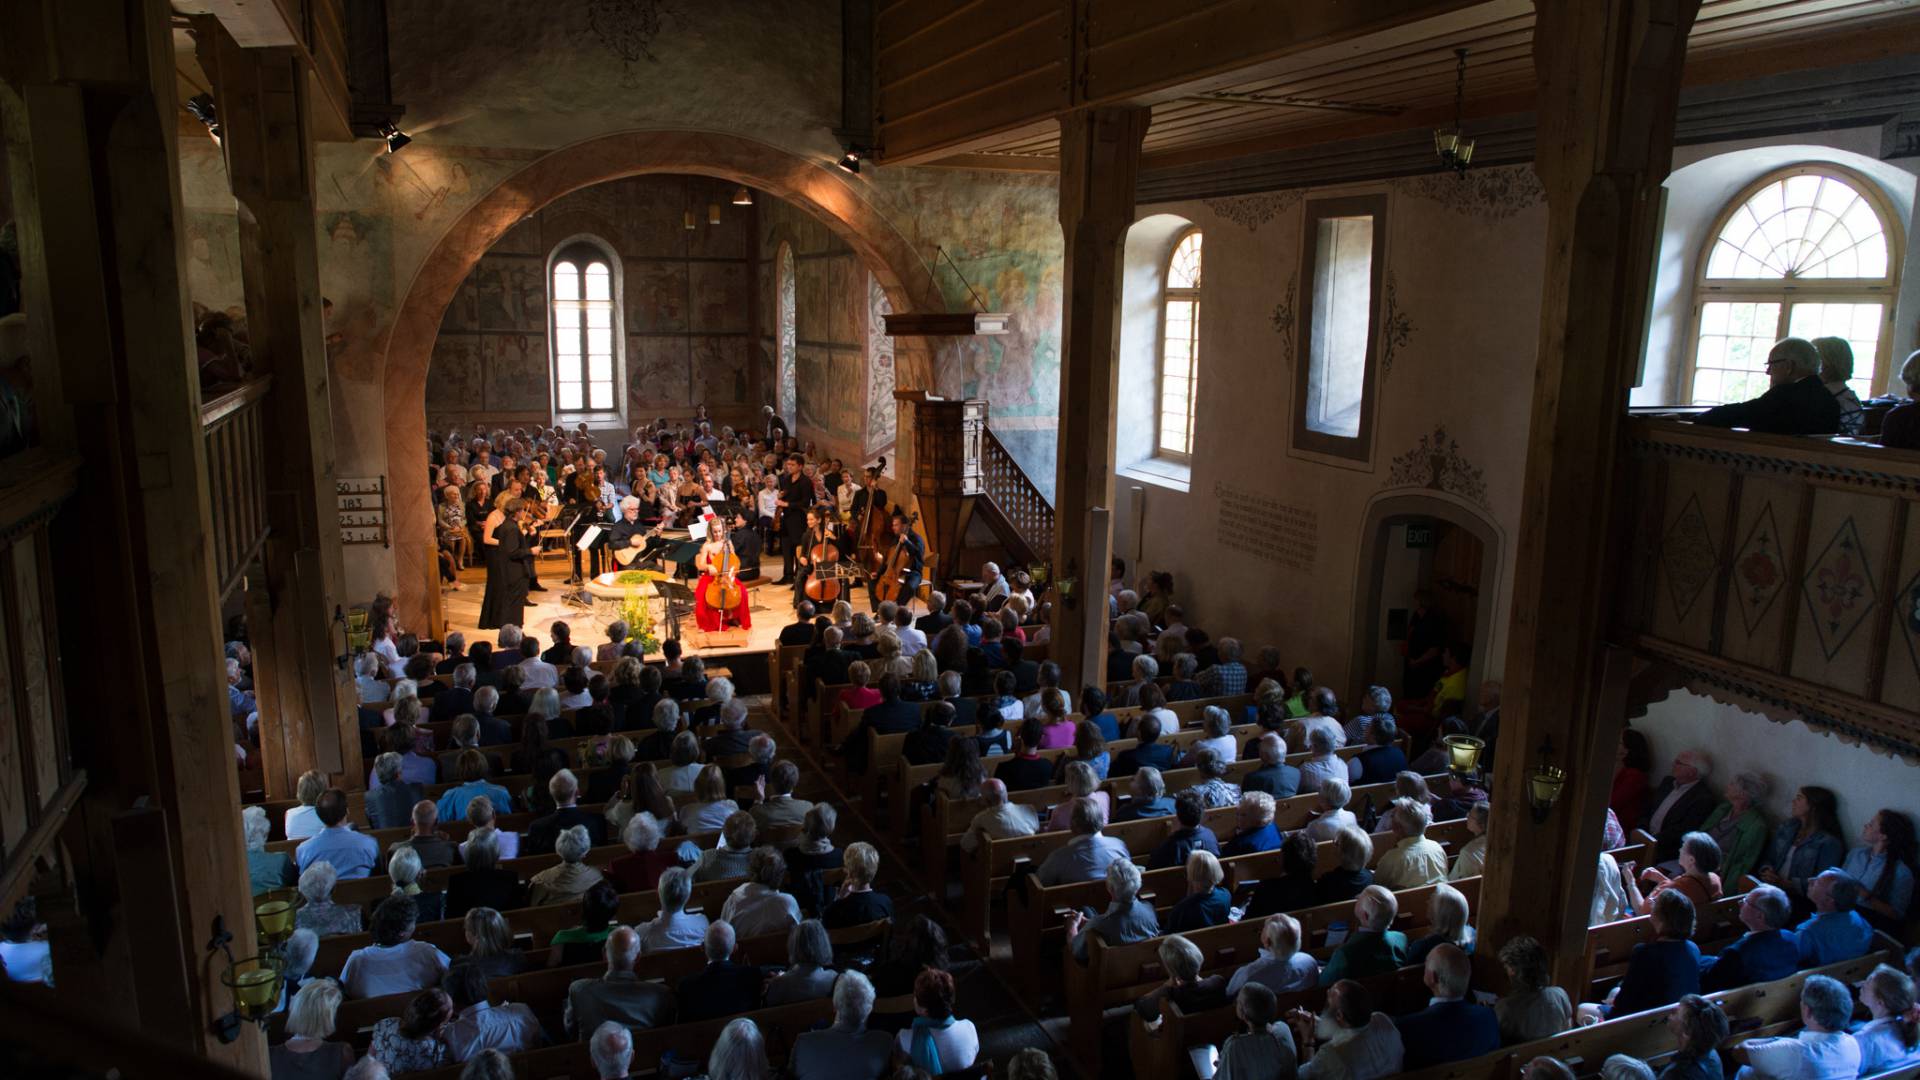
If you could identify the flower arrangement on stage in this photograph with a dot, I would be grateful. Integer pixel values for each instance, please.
(637, 614)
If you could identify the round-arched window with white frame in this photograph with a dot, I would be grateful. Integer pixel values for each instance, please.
(1808, 251)
(585, 328)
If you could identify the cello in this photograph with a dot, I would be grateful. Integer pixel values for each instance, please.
(723, 592)
(893, 575)
(826, 553)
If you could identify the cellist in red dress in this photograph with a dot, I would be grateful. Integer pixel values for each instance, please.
(719, 581)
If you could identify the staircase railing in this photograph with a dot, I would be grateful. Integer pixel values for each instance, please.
(1014, 494)
(233, 426)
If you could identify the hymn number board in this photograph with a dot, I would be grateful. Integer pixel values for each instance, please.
(363, 510)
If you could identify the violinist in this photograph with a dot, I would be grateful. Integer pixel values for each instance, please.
(719, 566)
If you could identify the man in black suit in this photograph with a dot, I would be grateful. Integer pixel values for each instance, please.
(1682, 803)
(390, 806)
(565, 789)
(1148, 751)
(561, 651)
(1798, 403)
(890, 717)
(466, 736)
(795, 495)
(484, 883)
(1026, 673)
(966, 710)
(427, 841)
(512, 701)
(733, 738)
(722, 988)
(936, 619)
(800, 631)
(456, 700)
(1027, 770)
(831, 665)
(456, 654)
(1274, 776)
(597, 717)
(1453, 1027)
(619, 995)
(493, 730)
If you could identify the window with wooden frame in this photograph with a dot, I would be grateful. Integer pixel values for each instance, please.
(1179, 381)
(1342, 261)
(585, 331)
(1809, 251)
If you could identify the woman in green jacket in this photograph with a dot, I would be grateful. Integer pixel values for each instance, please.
(1739, 828)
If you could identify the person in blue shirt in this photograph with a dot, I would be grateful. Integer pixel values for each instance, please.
(470, 768)
(1147, 751)
(1663, 970)
(1255, 819)
(1189, 837)
(1807, 842)
(1836, 932)
(1093, 706)
(239, 702)
(1206, 903)
(1149, 796)
(352, 854)
(1382, 760)
(1883, 865)
(1767, 952)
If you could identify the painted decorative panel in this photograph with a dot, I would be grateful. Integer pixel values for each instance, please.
(1839, 588)
(883, 413)
(1902, 681)
(1759, 593)
(1690, 552)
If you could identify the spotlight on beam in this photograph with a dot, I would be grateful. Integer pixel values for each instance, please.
(851, 160)
(395, 138)
(742, 197)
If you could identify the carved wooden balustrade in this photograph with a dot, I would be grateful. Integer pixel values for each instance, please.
(1782, 574)
(233, 423)
(1012, 492)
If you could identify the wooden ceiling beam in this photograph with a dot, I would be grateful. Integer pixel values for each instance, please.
(1033, 65)
(253, 24)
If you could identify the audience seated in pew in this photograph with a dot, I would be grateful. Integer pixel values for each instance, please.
(858, 903)
(724, 987)
(674, 927)
(812, 857)
(848, 1048)
(1836, 931)
(580, 943)
(1822, 1048)
(1447, 923)
(1148, 751)
(411, 1042)
(1660, 971)
(1282, 966)
(1001, 819)
(1027, 770)
(572, 877)
(937, 1042)
(1533, 1008)
(1274, 776)
(490, 944)
(1451, 1027)
(1081, 783)
(1353, 876)
(618, 996)
(1890, 1039)
(485, 883)
(1414, 860)
(1186, 834)
(1293, 887)
(1255, 830)
(317, 911)
(479, 1024)
(394, 963)
(351, 854)
(728, 858)
(1348, 1039)
(309, 1049)
(1767, 951)
(1149, 796)
(809, 973)
(1205, 903)
(1373, 947)
(1127, 918)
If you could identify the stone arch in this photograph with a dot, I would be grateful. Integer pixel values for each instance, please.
(832, 197)
(1399, 506)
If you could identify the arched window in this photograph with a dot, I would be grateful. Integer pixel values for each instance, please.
(1806, 252)
(1180, 349)
(584, 309)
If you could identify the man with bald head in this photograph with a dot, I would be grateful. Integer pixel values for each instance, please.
(1452, 1027)
(1798, 403)
(611, 1048)
(619, 995)
(1001, 819)
(1274, 776)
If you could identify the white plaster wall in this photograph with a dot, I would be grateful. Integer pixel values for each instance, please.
(1790, 755)
(1704, 179)
(1466, 275)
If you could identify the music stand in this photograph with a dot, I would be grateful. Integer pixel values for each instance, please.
(674, 593)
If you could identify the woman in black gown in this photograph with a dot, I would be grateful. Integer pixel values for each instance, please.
(508, 573)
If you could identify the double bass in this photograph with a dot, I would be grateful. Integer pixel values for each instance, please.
(888, 585)
(872, 535)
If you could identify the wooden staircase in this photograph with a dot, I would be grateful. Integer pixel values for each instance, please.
(962, 470)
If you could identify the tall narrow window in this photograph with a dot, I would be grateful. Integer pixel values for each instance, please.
(583, 331)
(1808, 252)
(1342, 260)
(789, 340)
(1180, 349)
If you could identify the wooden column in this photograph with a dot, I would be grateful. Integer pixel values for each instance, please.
(1099, 158)
(91, 121)
(1608, 74)
(268, 141)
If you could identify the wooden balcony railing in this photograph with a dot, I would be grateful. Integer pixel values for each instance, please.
(1013, 494)
(233, 425)
(1782, 574)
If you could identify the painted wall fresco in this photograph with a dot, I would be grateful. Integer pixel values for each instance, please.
(883, 413)
(684, 302)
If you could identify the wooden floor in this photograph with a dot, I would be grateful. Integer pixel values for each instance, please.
(771, 609)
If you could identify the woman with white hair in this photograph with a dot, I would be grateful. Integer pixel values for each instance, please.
(1739, 826)
(368, 684)
(1219, 727)
(404, 869)
(572, 878)
(674, 927)
(309, 1052)
(1281, 966)
(710, 808)
(302, 820)
(1447, 915)
(1081, 784)
(640, 868)
(319, 913)
(1377, 702)
(1836, 367)
(739, 1054)
(1900, 428)
(544, 709)
(266, 870)
(809, 973)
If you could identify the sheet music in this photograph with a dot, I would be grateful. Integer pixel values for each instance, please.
(698, 530)
(587, 538)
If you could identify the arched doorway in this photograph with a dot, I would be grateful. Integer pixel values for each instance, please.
(829, 195)
(1425, 544)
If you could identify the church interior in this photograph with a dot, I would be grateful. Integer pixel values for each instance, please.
(959, 539)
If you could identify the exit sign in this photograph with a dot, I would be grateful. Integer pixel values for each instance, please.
(1419, 536)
